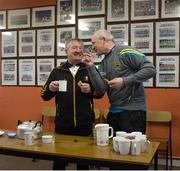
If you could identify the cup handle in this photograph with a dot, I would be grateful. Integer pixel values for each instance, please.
(111, 132)
(147, 144)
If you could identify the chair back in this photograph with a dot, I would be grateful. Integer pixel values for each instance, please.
(48, 111)
(159, 116)
(162, 122)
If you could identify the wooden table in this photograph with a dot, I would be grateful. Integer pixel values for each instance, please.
(78, 149)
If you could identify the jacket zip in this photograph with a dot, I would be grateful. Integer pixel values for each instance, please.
(74, 101)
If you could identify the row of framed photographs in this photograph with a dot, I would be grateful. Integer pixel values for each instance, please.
(66, 12)
(167, 38)
(167, 71)
(27, 71)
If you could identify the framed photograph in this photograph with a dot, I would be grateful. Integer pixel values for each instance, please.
(66, 12)
(27, 72)
(18, 18)
(119, 32)
(43, 16)
(2, 20)
(142, 37)
(27, 43)
(117, 10)
(63, 34)
(9, 72)
(91, 7)
(149, 82)
(87, 26)
(167, 71)
(44, 67)
(96, 58)
(9, 44)
(167, 36)
(170, 9)
(60, 61)
(144, 9)
(45, 42)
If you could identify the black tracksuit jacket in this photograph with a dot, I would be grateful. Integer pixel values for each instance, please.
(73, 108)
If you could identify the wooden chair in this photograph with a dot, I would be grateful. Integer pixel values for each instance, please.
(162, 120)
(48, 111)
(97, 115)
(103, 116)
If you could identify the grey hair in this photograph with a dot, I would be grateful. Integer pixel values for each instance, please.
(103, 34)
(68, 42)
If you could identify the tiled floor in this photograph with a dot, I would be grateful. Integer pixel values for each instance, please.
(20, 163)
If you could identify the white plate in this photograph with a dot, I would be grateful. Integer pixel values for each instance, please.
(1, 132)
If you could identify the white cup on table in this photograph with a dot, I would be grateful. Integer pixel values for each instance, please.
(124, 146)
(115, 144)
(102, 134)
(144, 142)
(28, 138)
(136, 146)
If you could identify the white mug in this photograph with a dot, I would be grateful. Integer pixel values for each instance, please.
(144, 142)
(124, 146)
(115, 144)
(135, 146)
(28, 138)
(136, 133)
(121, 133)
(102, 134)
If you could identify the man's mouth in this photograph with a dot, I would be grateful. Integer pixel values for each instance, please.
(77, 53)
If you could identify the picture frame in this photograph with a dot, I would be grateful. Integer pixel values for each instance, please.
(60, 61)
(170, 9)
(166, 37)
(149, 82)
(9, 72)
(119, 32)
(66, 12)
(144, 9)
(63, 34)
(167, 71)
(9, 44)
(43, 16)
(27, 72)
(27, 39)
(44, 67)
(91, 7)
(87, 26)
(19, 18)
(96, 58)
(142, 36)
(117, 10)
(45, 42)
(2, 20)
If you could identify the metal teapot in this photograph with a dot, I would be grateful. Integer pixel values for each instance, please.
(29, 126)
